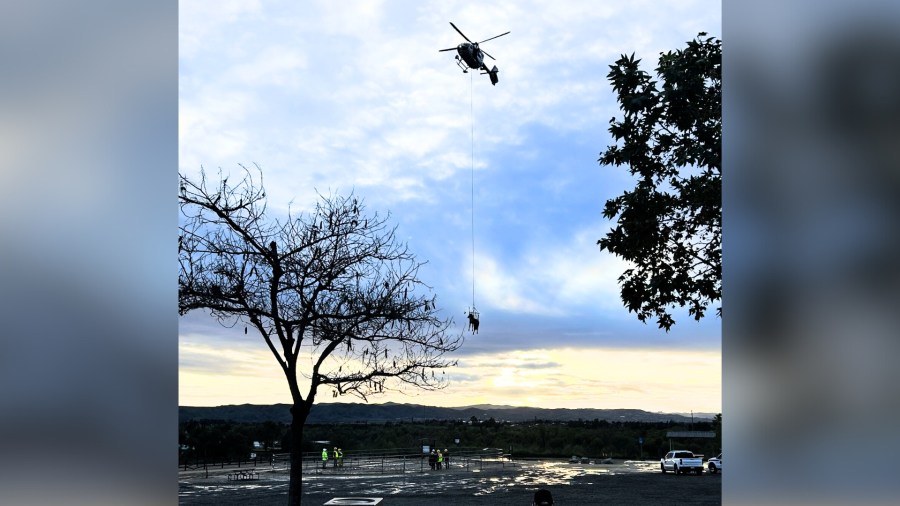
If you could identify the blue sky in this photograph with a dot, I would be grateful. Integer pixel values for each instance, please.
(354, 96)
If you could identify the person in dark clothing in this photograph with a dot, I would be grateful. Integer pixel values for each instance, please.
(473, 321)
(542, 497)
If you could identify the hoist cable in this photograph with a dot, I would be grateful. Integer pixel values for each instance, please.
(472, 119)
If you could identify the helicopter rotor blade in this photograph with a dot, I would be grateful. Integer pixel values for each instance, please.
(486, 54)
(451, 49)
(494, 37)
(460, 32)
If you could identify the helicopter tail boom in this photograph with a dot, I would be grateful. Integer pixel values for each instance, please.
(492, 73)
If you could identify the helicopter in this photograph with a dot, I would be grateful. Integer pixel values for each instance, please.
(472, 56)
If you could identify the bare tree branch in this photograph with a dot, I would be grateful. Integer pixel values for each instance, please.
(334, 294)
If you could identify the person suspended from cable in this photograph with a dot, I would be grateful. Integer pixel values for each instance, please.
(473, 320)
(471, 56)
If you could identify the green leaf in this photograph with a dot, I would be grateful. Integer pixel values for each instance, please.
(668, 132)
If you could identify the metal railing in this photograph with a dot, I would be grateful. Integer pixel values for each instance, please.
(384, 461)
(403, 460)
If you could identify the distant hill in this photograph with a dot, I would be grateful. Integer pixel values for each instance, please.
(698, 415)
(389, 412)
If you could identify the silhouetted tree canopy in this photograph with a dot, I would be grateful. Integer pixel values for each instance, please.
(669, 226)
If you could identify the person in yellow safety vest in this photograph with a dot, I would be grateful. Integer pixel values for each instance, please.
(440, 460)
(335, 456)
(324, 457)
(340, 455)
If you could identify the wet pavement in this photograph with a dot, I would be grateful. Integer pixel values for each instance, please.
(629, 482)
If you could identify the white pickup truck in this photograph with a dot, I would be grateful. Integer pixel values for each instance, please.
(714, 464)
(681, 461)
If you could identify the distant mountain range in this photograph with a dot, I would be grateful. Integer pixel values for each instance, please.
(391, 412)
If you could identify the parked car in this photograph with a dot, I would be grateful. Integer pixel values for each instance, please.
(714, 464)
(681, 461)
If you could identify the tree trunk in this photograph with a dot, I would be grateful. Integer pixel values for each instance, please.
(298, 419)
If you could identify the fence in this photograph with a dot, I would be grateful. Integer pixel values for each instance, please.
(387, 461)
(403, 460)
(199, 463)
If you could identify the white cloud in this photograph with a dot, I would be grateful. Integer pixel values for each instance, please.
(212, 130)
(582, 274)
(274, 66)
(372, 94)
(242, 359)
(201, 20)
(334, 96)
(553, 377)
(507, 290)
(587, 377)
(549, 278)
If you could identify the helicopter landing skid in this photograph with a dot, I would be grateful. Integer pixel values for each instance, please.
(462, 65)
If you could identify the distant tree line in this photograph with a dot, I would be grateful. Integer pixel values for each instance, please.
(219, 440)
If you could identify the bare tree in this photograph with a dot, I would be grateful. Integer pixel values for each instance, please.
(333, 293)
